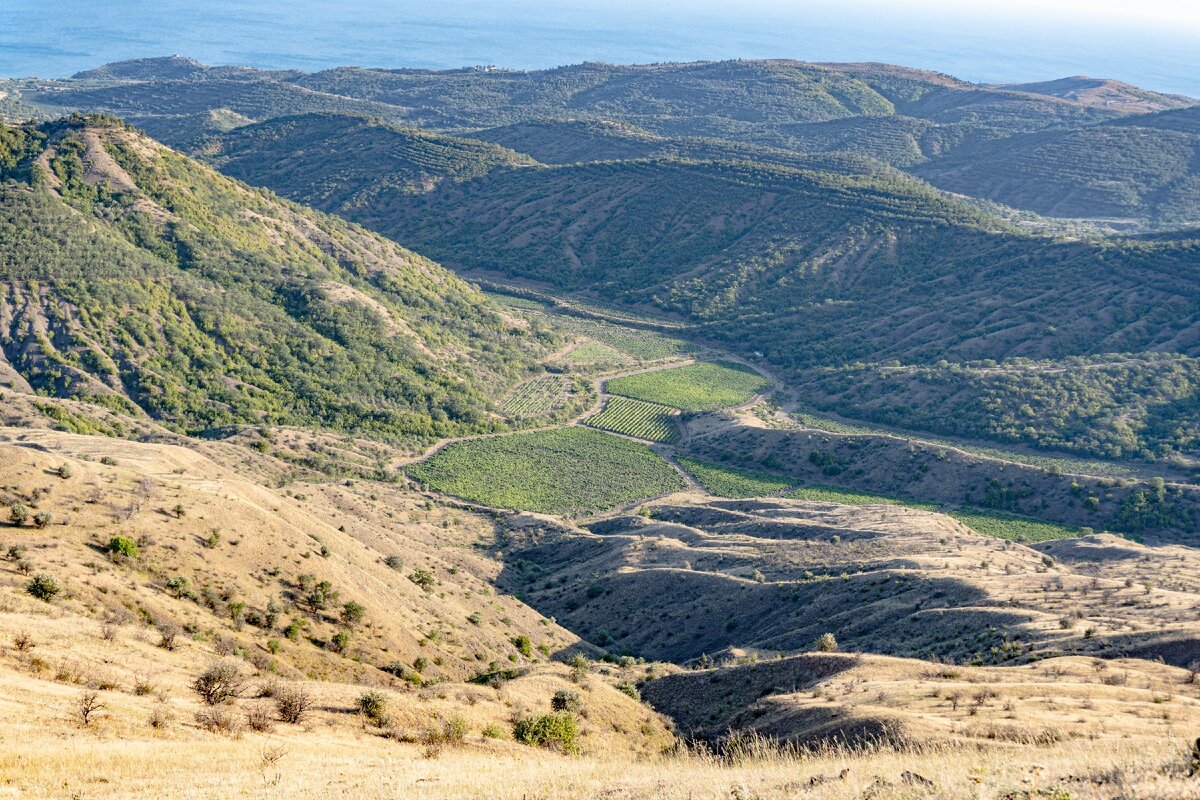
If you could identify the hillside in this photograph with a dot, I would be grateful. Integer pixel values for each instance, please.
(353, 166)
(818, 271)
(143, 281)
(1142, 169)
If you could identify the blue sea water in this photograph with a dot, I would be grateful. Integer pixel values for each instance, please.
(60, 37)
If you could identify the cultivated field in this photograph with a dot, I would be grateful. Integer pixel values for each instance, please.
(571, 470)
(731, 482)
(1011, 526)
(539, 397)
(832, 494)
(641, 345)
(637, 418)
(696, 387)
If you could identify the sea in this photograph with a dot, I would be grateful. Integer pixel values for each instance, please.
(56, 38)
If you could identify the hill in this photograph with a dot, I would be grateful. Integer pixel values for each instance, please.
(1103, 93)
(354, 166)
(143, 281)
(817, 271)
(1142, 169)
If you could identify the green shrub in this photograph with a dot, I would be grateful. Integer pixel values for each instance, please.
(558, 731)
(42, 519)
(353, 613)
(523, 644)
(372, 705)
(123, 547)
(43, 587)
(18, 514)
(423, 578)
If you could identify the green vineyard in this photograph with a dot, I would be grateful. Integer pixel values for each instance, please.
(706, 386)
(572, 470)
(637, 418)
(539, 397)
(725, 481)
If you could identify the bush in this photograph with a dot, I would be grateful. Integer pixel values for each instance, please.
(353, 613)
(625, 687)
(340, 642)
(18, 514)
(168, 633)
(292, 703)
(43, 587)
(450, 733)
(492, 731)
(216, 720)
(372, 705)
(42, 519)
(826, 643)
(567, 700)
(523, 645)
(558, 731)
(260, 719)
(220, 683)
(64, 471)
(423, 578)
(123, 547)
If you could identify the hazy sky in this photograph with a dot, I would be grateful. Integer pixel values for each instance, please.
(1153, 43)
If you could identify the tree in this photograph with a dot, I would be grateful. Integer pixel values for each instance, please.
(219, 683)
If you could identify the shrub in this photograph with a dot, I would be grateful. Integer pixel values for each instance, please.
(567, 700)
(168, 635)
(580, 667)
(123, 547)
(394, 562)
(523, 645)
(320, 596)
(18, 514)
(558, 731)
(353, 613)
(292, 703)
(625, 687)
(423, 578)
(42, 519)
(449, 733)
(64, 471)
(221, 682)
(826, 643)
(44, 587)
(340, 642)
(372, 705)
(216, 720)
(259, 718)
(492, 731)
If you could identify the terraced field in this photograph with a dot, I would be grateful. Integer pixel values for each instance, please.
(734, 483)
(539, 397)
(572, 470)
(637, 418)
(706, 386)
(1013, 527)
(832, 494)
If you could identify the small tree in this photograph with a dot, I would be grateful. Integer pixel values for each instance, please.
(87, 706)
(43, 587)
(320, 596)
(219, 683)
(826, 643)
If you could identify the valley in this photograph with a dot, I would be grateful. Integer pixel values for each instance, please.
(728, 430)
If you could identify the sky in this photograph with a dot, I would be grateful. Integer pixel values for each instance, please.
(1152, 43)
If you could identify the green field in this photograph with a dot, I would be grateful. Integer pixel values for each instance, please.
(639, 344)
(832, 494)
(562, 471)
(537, 398)
(695, 387)
(1011, 526)
(590, 354)
(636, 418)
(730, 482)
